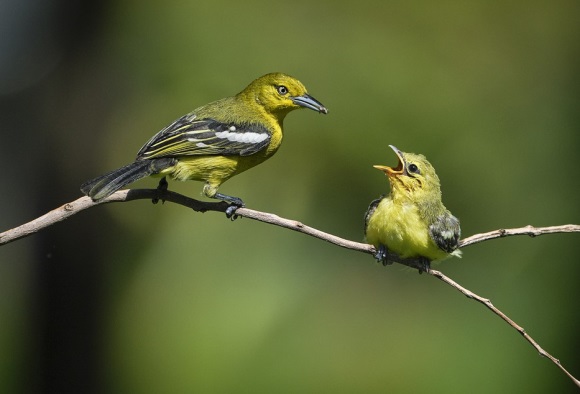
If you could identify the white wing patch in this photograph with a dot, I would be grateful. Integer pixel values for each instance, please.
(447, 234)
(248, 138)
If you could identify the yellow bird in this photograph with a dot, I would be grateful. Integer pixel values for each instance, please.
(412, 221)
(216, 141)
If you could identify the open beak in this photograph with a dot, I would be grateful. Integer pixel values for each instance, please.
(307, 101)
(399, 169)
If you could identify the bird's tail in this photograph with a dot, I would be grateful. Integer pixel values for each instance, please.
(107, 184)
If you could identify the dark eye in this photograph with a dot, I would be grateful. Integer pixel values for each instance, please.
(413, 169)
(283, 90)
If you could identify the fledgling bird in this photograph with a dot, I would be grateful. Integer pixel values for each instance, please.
(216, 141)
(412, 221)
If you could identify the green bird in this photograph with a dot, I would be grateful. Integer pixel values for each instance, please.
(412, 221)
(216, 141)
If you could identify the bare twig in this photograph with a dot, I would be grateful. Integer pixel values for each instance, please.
(490, 306)
(302, 228)
(527, 230)
(74, 207)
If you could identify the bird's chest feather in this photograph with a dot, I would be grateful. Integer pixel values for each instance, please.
(400, 228)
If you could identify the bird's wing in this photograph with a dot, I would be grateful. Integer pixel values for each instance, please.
(445, 231)
(188, 136)
(371, 209)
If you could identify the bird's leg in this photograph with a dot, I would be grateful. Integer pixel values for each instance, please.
(235, 203)
(163, 185)
(210, 190)
(382, 255)
(424, 265)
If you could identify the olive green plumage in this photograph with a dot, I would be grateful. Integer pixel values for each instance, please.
(216, 141)
(412, 221)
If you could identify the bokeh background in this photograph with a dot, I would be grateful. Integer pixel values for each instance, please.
(137, 298)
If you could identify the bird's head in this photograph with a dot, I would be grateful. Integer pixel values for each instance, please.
(413, 178)
(279, 94)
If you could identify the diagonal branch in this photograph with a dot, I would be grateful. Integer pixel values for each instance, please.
(518, 328)
(74, 207)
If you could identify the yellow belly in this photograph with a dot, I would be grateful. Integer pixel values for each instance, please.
(203, 168)
(213, 170)
(402, 230)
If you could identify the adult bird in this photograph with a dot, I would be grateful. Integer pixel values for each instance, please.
(412, 221)
(216, 141)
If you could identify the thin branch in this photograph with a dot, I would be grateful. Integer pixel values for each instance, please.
(490, 306)
(527, 230)
(74, 207)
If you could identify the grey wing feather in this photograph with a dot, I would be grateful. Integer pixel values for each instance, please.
(445, 231)
(370, 210)
(188, 136)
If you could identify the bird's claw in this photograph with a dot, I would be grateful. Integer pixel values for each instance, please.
(424, 265)
(382, 256)
(231, 212)
(235, 203)
(162, 187)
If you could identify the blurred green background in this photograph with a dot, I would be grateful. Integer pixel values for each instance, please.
(136, 298)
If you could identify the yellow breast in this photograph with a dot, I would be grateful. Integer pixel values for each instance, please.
(402, 230)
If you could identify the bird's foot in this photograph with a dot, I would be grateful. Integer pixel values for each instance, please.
(162, 187)
(235, 203)
(231, 212)
(423, 265)
(382, 255)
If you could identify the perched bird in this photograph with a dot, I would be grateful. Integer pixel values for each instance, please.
(411, 221)
(216, 141)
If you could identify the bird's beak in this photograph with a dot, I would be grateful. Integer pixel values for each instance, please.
(310, 102)
(399, 169)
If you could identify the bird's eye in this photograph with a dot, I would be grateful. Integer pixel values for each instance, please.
(283, 90)
(413, 169)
